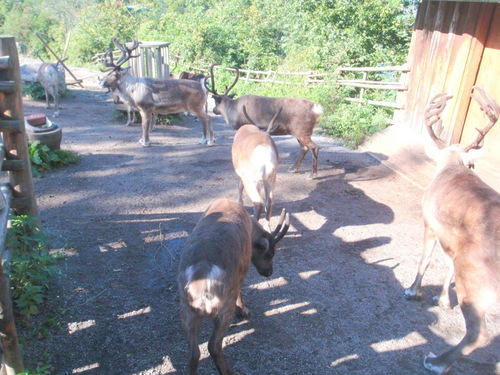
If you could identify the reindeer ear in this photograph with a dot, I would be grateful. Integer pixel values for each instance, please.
(262, 243)
(231, 96)
(472, 156)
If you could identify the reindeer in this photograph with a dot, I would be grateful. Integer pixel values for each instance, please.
(298, 117)
(155, 95)
(212, 269)
(462, 213)
(52, 81)
(131, 116)
(186, 75)
(255, 160)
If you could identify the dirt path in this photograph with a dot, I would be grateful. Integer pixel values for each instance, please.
(334, 304)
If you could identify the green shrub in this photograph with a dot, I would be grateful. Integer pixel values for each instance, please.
(44, 159)
(31, 266)
(34, 90)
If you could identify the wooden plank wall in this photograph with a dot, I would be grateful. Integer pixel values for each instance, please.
(488, 77)
(446, 55)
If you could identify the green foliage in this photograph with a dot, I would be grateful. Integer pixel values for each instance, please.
(353, 122)
(44, 159)
(291, 35)
(31, 267)
(34, 90)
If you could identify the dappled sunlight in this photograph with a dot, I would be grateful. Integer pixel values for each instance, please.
(347, 358)
(82, 369)
(308, 274)
(286, 308)
(131, 314)
(310, 219)
(413, 339)
(78, 326)
(269, 284)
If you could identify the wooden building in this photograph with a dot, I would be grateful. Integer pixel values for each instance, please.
(455, 45)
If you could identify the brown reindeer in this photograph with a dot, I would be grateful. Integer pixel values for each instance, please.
(462, 213)
(298, 117)
(212, 269)
(150, 95)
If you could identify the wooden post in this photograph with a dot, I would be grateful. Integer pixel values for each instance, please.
(11, 109)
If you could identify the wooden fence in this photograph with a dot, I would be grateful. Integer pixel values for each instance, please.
(17, 194)
(311, 79)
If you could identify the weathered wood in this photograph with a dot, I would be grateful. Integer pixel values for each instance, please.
(13, 165)
(15, 142)
(449, 53)
(13, 363)
(78, 81)
(12, 125)
(5, 62)
(375, 102)
(7, 86)
(487, 78)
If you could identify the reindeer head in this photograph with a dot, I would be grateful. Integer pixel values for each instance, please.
(457, 154)
(113, 79)
(264, 243)
(220, 100)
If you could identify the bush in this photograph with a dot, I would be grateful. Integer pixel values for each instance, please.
(44, 159)
(31, 267)
(34, 90)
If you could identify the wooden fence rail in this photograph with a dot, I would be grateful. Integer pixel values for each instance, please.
(312, 79)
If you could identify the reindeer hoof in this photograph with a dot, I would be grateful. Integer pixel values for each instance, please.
(211, 143)
(292, 170)
(242, 312)
(312, 176)
(442, 302)
(412, 296)
(56, 114)
(438, 369)
(143, 143)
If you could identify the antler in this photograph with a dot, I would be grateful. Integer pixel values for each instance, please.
(279, 233)
(492, 110)
(211, 90)
(126, 49)
(433, 115)
(235, 81)
(108, 63)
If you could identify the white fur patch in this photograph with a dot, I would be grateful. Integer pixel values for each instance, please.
(265, 159)
(318, 109)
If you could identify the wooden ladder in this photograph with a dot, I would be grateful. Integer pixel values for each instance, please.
(18, 194)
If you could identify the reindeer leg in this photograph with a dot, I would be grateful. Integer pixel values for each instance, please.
(206, 120)
(443, 299)
(306, 145)
(475, 337)
(240, 191)
(268, 193)
(56, 102)
(221, 325)
(153, 122)
(47, 101)
(130, 116)
(240, 307)
(192, 323)
(146, 120)
(415, 291)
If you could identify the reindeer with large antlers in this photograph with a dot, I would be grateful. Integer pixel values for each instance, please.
(298, 117)
(155, 95)
(462, 213)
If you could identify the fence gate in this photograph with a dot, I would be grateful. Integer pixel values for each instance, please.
(17, 194)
